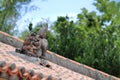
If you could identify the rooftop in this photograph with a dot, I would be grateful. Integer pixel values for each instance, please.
(16, 66)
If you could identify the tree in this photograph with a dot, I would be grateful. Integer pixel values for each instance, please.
(101, 44)
(65, 37)
(93, 39)
(9, 13)
(31, 29)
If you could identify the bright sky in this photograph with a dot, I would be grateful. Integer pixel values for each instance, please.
(52, 9)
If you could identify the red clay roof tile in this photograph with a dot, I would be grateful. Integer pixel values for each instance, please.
(63, 71)
(15, 67)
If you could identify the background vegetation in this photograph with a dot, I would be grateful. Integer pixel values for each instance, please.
(94, 39)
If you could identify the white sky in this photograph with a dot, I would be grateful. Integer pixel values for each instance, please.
(52, 9)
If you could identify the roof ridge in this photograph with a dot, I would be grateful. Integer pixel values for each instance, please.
(7, 54)
(60, 60)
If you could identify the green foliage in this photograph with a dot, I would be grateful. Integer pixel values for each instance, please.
(24, 34)
(32, 29)
(101, 52)
(93, 39)
(65, 37)
(37, 27)
(101, 44)
(9, 13)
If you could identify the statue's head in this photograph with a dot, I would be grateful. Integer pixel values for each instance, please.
(42, 32)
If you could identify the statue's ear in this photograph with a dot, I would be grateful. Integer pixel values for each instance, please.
(42, 32)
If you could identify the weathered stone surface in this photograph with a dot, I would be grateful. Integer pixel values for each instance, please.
(72, 65)
(35, 44)
(6, 38)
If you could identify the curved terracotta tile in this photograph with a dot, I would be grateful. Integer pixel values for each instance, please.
(40, 75)
(35, 77)
(31, 72)
(27, 76)
(21, 71)
(13, 72)
(4, 69)
(20, 74)
(25, 73)
(2, 63)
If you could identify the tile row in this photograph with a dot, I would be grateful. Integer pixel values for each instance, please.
(11, 71)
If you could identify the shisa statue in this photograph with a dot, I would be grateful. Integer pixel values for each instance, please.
(35, 44)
